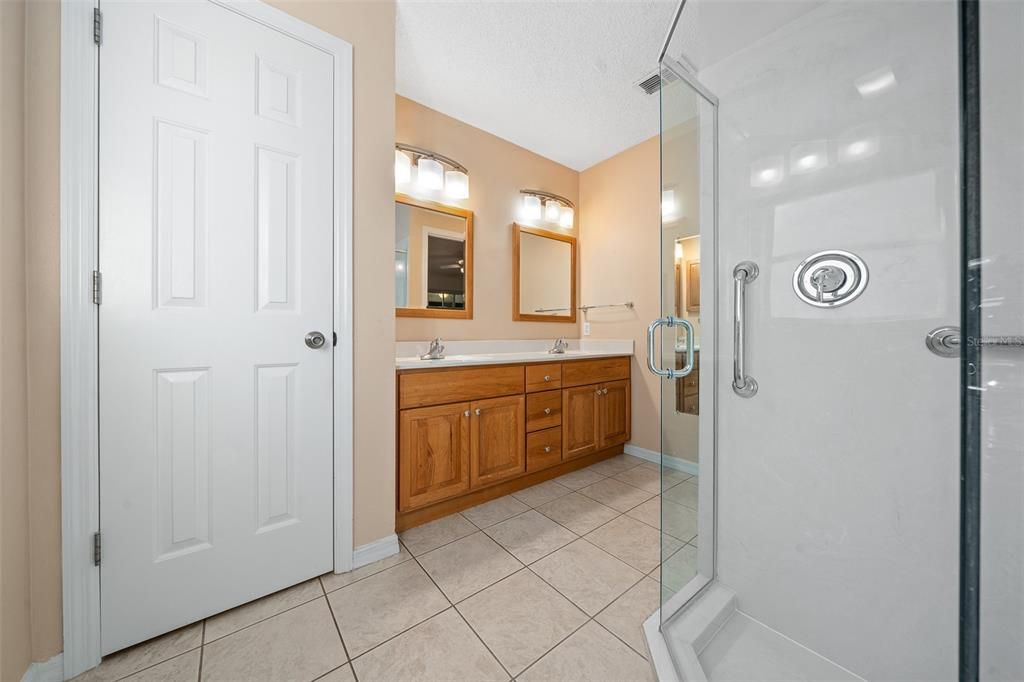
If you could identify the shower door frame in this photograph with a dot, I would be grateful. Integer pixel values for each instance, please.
(707, 518)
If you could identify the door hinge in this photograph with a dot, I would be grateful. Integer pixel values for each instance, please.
(96, 549)
(335, 335)
(97, 287)
(97, 26)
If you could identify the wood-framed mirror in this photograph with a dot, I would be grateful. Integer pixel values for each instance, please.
(543, 275)
(433, 259)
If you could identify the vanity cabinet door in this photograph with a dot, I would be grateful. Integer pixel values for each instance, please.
(614, 413)
(580, 421)
(499, 439)
(433, 454)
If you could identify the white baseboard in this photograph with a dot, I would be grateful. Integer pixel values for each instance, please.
(375, 551)
(677, 463)
(46, 671)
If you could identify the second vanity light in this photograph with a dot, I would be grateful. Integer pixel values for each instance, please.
(552, 208)
(434, 172)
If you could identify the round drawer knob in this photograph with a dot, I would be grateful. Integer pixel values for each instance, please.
(547, 410)
(547, 448)
(547, 377)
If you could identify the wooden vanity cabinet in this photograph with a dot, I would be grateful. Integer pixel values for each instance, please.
(497, 440)
(580, 432)
(467, 435)
(613, 423)
(596, 417)
(433, 454)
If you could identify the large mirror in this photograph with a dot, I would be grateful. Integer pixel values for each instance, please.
(433, 259)
(544, 276)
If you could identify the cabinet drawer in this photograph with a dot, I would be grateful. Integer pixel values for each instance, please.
(437, 387)
(582, 372)
(543, 410)
(543, 449)
(691, 383)
(543, 377)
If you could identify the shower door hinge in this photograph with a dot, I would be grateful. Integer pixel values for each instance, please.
(96, 549)
(97, 26)
(97, 287)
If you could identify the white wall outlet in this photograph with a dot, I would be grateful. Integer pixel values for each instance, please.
(586, 329)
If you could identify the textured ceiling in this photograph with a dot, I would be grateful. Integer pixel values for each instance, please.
(554, 77)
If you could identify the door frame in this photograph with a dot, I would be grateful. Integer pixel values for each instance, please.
(79, 317)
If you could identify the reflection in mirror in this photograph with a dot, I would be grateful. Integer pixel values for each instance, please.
(544, 272)
(433, 259)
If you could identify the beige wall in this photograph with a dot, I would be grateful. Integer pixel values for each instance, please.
(619, 235)
(622, 244)
(497, 171)
(15, 569)
(30, 589)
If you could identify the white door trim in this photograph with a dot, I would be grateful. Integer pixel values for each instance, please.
(79, 340)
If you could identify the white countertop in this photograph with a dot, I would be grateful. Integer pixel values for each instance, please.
(469, 353)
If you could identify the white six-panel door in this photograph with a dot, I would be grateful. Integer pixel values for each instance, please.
(216, 236)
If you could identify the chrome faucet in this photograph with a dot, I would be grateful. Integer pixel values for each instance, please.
(560, 345)
(436, 351)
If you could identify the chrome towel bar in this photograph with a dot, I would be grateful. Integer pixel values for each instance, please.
(743, 274)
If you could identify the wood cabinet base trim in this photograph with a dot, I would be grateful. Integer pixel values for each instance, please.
(417, 517)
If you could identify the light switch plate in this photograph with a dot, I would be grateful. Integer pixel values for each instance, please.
(586, 329)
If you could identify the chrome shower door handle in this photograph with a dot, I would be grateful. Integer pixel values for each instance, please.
(670, 322)
(743, 274)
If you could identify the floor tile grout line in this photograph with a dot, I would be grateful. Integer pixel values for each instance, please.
(332, 670)
(261, 620)
(337, 627)
(153, 665)
(454, 608)
(405, 630)
(481, 639)
(558, 643)
(476, 530)
(369, 575)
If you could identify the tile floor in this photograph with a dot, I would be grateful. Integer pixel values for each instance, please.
(549, 583)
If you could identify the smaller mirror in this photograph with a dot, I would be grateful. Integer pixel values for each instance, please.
(544, 276)
(433, 259)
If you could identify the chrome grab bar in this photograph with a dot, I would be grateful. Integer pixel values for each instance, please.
(945, 341)
(670, 322)
(743, 274)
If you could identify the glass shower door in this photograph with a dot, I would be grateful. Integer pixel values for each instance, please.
(682, 345)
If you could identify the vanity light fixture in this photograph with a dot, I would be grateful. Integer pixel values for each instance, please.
(531, 207)
(403, 167)
(429, 173)
(434, 172)
(557, 209)
(567, 218)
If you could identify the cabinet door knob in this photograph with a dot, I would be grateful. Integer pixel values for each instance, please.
(597, 392)
(547, 377)
(547, 410)
(547, 448)
(605, 391)
(466, 413)
(478, 411)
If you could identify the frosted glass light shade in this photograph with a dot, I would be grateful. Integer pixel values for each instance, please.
(668, 203)
(567, 217)
(403, 167)
(430, 173)
(531, 207)
(552, 210)
(456, 184)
